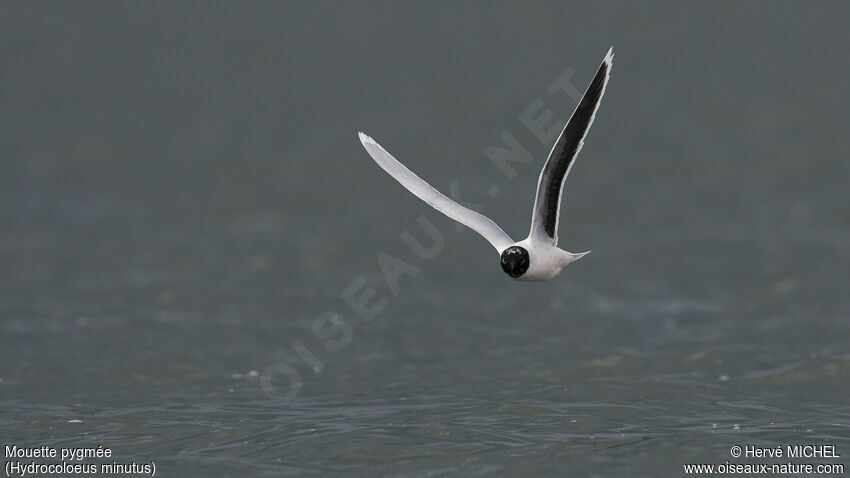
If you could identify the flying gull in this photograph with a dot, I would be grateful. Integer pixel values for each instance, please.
(537, 257)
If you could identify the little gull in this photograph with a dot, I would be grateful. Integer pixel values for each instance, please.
(537, 257)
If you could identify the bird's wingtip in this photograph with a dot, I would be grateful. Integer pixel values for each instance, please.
(609, 57)
(364, 138)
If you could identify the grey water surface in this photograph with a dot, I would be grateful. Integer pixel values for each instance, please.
(188, 222)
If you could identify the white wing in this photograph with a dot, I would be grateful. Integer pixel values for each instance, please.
(424, 191)
(547, 202)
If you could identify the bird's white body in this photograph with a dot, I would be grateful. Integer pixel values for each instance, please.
(536, 258)
(547, 260)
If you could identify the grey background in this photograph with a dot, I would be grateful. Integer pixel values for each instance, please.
(182, 193)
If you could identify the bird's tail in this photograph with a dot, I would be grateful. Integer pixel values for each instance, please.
(578, 256)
